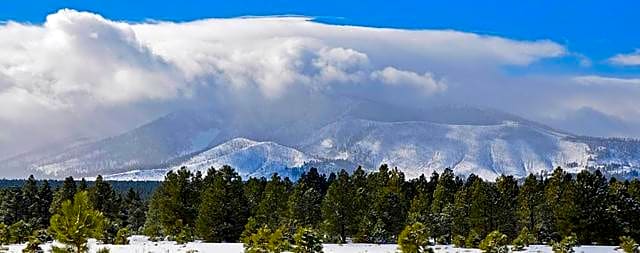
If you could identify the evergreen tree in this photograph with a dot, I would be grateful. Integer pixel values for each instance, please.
(592, 220)
(307, 241)
(414, 239)
(174, 205)
(442, 205)
(65, 192)
(506, 218)
(30, 201)
(559, 197)
(530, 204)
(76, 221)
(273, 206)
(253, 189)
(338, 209)
(223, 210)
(45, 197)
(495, 242)
(133, 210)
(305, 200)
(11, 206)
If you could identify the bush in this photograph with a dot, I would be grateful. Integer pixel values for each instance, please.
(266, 241)
(523, 240)
(185, 236)
(103, 250)
(628, 245)
(33, 246)
(565, 246)
(414, 239)
(495, 242)
(458, 241)
(122, 237)
(473, 239)
(75, 222)
(19, 232)
(307, 241)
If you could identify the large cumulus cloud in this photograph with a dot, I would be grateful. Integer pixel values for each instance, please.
(81, 74)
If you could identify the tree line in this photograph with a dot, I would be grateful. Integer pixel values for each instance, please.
(362, 207)
(375, 207)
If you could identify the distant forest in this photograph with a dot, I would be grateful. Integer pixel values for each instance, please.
(366, 207)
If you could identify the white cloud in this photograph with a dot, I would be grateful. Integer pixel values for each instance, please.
(393, 76)
(631, 59)
(79, 69)
(602, 80)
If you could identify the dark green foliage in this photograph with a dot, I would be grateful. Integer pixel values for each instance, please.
(530, 204)
(223, 209)
(495, 242)
(122, 237)
(305, 200)
(566, 245)
(628, 245)
(19, 232)
(338, 209)
(265, 240)
(64, 193)
(272, 209)
(523, 240)
(173, 205)
(75, 222)
(307, 240)
(414, 239)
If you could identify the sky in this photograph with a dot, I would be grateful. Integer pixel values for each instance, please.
(97, 68)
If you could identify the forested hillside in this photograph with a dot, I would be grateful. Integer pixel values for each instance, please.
(359, 207)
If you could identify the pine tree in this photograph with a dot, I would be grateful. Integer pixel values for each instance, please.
(45, 197)
(30, 201)
(76, 221)
(223, 210)
(414, 239)
(442, 205)
(305, 200)
(253, 190)
(11, 206)
(338, 208)
(530, 204)
(133, 210)
(65, 192)
(173, 205)
(559, 197)
(592, 220)
(307, 241)
(507, 190)
(495, 242)
(273, 206)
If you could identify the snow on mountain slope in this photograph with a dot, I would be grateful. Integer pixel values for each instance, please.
(422, 147)
(250, 158)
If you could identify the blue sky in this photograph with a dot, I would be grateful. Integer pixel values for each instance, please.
(595, 29)
(104, 67)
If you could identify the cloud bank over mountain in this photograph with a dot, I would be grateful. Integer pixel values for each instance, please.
(80, 74)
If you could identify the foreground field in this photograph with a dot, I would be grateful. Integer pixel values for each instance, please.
(141, 245)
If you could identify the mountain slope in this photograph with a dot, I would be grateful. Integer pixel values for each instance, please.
(470, 140)
(422, 147)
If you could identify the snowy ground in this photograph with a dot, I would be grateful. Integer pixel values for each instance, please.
(141, 245)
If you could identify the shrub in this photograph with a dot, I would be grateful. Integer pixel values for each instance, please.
(266, 241)
(185, 236)
(75, 222)
(495, 242)
(523, 240)
(458, 241)
(414, 239)
(473, 239)
(103, 250)
(628, 245)
(565, 246)
(307, 241)
(33, 246)
(122, 237)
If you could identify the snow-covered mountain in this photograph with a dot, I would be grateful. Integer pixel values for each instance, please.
(469, 140)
